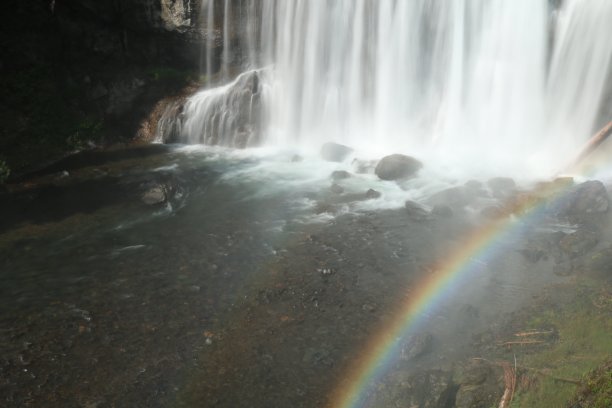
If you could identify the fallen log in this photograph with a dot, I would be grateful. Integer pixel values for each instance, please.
(592, 144)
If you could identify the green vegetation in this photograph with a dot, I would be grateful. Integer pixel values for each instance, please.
(171, 75)
(584, 330)
(42, 117)
(596, 392)
(5, 171)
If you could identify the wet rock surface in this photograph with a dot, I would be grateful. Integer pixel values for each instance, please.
(221, 298)
(334, 152)
(397, 167)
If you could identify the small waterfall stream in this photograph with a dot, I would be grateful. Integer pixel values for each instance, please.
(513, 84)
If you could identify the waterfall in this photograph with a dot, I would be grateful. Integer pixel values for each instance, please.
(511, 83)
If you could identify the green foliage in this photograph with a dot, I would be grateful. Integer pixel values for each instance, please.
(584, 342)
(5, 171)
(171, 75)
(42, 117)
(85, 132)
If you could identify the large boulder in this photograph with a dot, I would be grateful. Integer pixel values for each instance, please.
(590, 197)
(480, 385)
(397, 167)
(335, 152)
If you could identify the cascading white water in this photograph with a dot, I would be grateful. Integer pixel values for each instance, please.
(498, 83)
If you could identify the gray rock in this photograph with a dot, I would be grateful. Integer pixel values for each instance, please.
(417, 346)
(501, 186)
(416, 211)
(373, 194)
(340, 175)
(579, 243)
(336, 189)
(600, 262)
(154, 196)
(493, 212)
(480, 386)
(362, 166)
(590, 197)
(335, 152)
(442, 211)
(397, 167)
(454, 197)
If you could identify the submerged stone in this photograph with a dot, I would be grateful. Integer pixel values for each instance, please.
(397, 167)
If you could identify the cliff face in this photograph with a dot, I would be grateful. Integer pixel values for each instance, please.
(75, 72)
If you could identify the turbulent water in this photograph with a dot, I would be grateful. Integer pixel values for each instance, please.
(513, 86)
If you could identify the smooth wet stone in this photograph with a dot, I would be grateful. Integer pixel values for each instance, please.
(442, 211)
(156, 195)
(416, 211)
(397, 167)
(454, 197)
(335, 152)
(372, 194)
(590, 197)
(340, 175)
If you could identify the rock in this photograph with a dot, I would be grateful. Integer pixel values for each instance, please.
(480, 386)
(473, 185)
(154, 196)
(322, 208)
(501, 186)
(397, 167)
(416, 211)
(417, 346)
(335, 152)
(454, 197)
(474, 188)
(340, 175)
(426, 388)
(368, 307)
(588, 198)
(373, 194)
(579, 243)
(336, 189)
(364, 166)
(599, 263)
(442, 211)
(493, 212)
(533, 255)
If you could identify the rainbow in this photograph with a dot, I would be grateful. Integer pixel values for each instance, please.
(479, 248)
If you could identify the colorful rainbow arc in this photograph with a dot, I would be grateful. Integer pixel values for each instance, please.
(383, 349)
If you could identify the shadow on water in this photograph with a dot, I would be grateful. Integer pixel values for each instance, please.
(91, 158)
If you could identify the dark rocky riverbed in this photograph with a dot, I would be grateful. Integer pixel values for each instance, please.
(151, 278)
